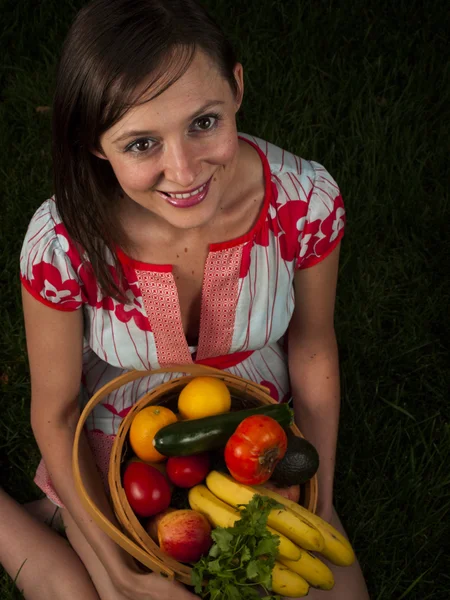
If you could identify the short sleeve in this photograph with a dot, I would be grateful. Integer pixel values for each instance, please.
(324, 223)
(46, 270)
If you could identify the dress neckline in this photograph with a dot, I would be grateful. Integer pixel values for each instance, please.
(216, 247)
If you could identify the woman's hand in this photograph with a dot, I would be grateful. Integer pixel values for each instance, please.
(134, 585)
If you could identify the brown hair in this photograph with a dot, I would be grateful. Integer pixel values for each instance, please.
(112, 47)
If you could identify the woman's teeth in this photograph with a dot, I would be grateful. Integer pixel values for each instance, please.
(182, 196)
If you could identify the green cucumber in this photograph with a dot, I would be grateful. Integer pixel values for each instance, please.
(200, 435)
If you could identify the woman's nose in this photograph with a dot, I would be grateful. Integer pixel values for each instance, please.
(181, 166)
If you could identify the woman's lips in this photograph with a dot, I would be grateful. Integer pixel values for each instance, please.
(191, 200)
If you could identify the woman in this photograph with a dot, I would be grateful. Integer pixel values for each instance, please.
(171, 240)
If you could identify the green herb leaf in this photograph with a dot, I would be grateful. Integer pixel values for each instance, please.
(268, 546)
(223, 539)
(252, 570)
(245, 555)
(242, 557)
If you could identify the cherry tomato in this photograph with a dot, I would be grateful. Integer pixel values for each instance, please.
(187, 471)
(146, 489)
(254, 449)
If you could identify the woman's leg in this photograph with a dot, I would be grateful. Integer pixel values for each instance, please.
(46, 512)
(349, 582)
(97, 572)
(41, 562)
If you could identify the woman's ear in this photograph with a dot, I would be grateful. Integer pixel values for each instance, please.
(238, 72)
(98, 153)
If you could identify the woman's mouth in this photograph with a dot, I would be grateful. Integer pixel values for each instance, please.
(187, 199)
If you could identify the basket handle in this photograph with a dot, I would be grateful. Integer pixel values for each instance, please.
(103, 522)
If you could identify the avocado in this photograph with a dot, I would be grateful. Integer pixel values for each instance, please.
(299, 464)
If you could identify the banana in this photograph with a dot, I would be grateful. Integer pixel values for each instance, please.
(284, 521)
(223, 515)
(287, 583)
(337, 549)
(312, 569)
(216, 511)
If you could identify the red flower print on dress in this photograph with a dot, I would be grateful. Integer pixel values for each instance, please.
(319, 235)
(54, 289)
(291, 217)
(132, 310)
(338, 223)
(90, 288)
(67, 245)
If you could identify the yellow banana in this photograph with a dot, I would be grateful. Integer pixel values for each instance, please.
(337, 549)
(287, 583)
(284, 521)
(223, 515)
(312, 569)
(216, 511)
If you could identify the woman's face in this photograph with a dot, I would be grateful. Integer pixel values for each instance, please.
(176, 155)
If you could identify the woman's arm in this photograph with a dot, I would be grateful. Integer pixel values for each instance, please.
(54, 342)
(314, 368)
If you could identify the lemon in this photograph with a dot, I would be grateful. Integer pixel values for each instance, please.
(204, 397)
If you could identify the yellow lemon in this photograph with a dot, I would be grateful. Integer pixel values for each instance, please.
(143, 429)
(204, 397)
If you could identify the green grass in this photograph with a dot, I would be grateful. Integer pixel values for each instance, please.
(363, 88)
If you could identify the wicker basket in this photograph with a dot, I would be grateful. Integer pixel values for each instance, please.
(134, 539)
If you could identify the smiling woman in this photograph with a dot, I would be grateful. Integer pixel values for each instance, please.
(171, 239)
(179, 148)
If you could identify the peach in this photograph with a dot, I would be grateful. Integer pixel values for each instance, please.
(291, 492)
(153, 523)
(185, 535)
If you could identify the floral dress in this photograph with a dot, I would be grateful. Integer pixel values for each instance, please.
(246, 305)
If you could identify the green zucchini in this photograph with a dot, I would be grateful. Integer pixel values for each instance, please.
(200, 435)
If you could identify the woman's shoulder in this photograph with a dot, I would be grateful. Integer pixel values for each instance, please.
(280, 161)
(306, 207)
(296, 177)
(45, 218)
(46, 232)
(49, 261)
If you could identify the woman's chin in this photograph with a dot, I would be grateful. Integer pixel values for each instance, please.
(194, 217)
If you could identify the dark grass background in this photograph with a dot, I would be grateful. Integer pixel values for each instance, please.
(363, 88)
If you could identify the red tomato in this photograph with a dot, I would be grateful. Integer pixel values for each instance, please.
(187, 471)
(254, 449)
(146, 489)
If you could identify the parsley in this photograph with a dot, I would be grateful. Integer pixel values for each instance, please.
(241, 560)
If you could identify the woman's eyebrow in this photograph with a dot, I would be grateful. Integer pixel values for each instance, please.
(139, 133)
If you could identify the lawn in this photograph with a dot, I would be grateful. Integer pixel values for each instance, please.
(363, 88)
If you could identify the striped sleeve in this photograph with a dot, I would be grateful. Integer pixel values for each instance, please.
(325, 219)
(46, 270)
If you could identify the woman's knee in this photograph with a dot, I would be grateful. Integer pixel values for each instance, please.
(41, 562)
(97, 572)
(349, 582)
(46, 512)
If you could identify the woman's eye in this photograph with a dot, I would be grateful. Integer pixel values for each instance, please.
(205, 123)
(140, 146)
